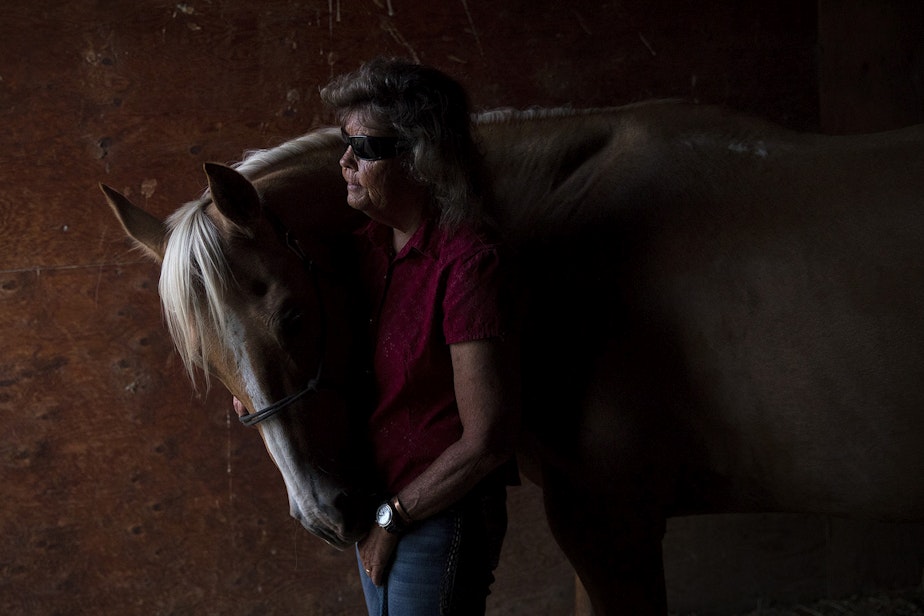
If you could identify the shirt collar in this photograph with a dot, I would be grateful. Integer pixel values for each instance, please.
(424, 241)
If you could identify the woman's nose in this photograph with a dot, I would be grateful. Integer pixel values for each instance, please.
(348, 161)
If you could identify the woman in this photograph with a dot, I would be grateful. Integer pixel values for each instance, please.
(443, 425)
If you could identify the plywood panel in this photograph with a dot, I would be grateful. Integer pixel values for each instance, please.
(127, 493)
(871, 74)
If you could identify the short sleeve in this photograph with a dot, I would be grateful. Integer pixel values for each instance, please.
(473, 305)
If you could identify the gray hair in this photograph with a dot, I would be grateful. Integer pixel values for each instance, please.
(427, 110)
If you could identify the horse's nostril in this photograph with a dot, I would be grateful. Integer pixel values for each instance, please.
(354, 516)
(295, 513)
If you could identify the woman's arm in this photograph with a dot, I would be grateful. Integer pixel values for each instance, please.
(485, 387)
(487, 392)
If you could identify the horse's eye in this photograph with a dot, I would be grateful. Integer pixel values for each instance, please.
(259, 288)
(290, 322)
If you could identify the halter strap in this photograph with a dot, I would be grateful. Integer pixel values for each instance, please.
(252, 419)
(315, 384)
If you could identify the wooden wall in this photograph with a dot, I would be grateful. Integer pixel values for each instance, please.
(122, 490)
(871, 73)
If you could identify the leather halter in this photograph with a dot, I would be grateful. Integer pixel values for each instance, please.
(316, 383)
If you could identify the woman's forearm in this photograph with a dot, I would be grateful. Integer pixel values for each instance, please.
(489, 412)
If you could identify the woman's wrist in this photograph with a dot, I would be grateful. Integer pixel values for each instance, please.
(401, 511)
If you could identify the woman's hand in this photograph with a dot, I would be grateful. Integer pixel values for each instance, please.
(376, 551)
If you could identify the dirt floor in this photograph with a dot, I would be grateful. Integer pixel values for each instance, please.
(907, 603)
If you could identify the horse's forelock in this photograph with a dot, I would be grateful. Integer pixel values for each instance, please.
(193, 280)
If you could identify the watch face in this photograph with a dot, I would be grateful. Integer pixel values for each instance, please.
(383, 515)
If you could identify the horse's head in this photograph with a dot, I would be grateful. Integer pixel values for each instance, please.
(249, 305)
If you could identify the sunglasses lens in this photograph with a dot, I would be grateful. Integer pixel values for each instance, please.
(371, 148)
(363, 148)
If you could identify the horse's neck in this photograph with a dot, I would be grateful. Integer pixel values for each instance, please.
(309, 195)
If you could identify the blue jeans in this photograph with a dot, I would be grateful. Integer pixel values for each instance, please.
(444, 565)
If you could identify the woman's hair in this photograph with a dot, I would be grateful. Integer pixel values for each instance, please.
(429, 112)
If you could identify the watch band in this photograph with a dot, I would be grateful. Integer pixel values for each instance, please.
(395, 524)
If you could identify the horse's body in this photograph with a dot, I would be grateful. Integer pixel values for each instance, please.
(719, 315)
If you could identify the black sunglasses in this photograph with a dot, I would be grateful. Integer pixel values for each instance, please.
(372, 148)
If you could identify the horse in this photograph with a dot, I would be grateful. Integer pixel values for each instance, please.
(717, 315)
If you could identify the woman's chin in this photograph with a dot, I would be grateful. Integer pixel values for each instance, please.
(357, 200)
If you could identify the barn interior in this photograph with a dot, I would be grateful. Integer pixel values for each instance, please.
(125, 490)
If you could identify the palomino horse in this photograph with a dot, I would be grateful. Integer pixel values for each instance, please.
(718, 316)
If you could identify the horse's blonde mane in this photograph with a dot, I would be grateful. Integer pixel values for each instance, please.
(193, 279)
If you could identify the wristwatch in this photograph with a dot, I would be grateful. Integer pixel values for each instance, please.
(389, 517)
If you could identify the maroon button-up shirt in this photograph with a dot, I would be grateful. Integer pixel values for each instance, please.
(442, 288)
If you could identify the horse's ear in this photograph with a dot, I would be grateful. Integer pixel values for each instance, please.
(233, 195)
(148, 232)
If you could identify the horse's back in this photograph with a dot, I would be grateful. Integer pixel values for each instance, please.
(745, 300)
(810, 332)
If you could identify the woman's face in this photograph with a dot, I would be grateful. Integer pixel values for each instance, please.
(381, 189)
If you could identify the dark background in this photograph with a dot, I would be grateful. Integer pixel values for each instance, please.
(124, 492)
